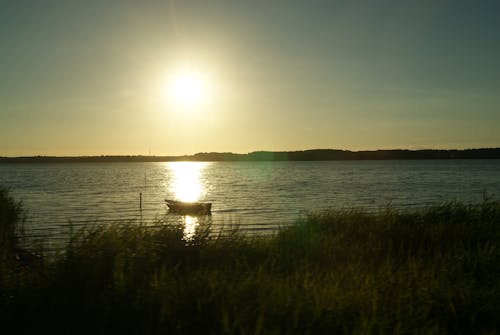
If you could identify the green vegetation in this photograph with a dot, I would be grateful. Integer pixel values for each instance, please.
(11, 223)
(432, 271)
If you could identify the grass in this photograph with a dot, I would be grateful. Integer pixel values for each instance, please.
(11, 222)
(431, 271)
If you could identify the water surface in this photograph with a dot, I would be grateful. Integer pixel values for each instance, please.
(256, 196)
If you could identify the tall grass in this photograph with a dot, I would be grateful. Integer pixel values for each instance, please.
(11, 222)
(431, 271)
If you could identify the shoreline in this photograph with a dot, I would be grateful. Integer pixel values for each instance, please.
(434, 270)
(305, 155)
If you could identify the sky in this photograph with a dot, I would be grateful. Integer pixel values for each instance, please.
(95, 77)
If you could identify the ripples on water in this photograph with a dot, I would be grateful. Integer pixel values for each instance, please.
(255, 196)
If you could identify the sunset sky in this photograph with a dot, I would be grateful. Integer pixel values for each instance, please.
(180, 77)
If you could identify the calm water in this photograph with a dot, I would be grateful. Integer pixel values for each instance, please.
(258, 197)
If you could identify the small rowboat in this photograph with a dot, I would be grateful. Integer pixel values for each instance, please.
(193, 208)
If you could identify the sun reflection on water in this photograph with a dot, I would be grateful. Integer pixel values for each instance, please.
(190, 225)
(187, 184)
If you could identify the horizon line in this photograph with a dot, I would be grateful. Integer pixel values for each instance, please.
(251, 152)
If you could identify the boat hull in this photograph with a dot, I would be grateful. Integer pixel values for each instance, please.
(189, 208)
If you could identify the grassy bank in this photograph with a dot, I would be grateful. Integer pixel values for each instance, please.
(432, 271)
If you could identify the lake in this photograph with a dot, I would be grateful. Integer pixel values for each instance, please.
(257, 197)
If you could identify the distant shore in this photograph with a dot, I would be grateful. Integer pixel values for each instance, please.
(305, 155)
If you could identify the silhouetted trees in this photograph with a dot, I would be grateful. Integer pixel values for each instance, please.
(306, 155)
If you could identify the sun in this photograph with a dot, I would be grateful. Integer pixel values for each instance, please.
(186, 88)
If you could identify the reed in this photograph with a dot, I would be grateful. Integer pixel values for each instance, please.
(434, 271)
(11, 223)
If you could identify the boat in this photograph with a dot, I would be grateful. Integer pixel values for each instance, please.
(193, 208)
